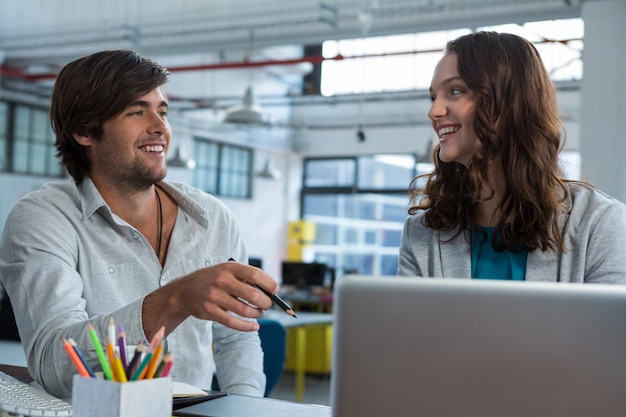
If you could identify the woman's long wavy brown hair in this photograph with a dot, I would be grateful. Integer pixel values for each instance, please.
(518, 126)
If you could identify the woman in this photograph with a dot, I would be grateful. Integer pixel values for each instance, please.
(496, 205)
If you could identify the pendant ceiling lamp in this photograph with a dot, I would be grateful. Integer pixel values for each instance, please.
(177, 161)
(248, 112)
(269, 170)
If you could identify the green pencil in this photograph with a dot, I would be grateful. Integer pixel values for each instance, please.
(106, 368)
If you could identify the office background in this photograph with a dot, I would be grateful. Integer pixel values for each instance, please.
(216, 50)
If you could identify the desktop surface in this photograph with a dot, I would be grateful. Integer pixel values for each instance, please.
(443, 348)
(241, 405)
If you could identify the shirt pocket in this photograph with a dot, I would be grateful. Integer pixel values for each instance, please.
(192, 264)
(115, 285)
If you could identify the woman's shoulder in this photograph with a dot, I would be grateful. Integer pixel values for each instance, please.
(591, 200)
(415, 229)
(587, 193)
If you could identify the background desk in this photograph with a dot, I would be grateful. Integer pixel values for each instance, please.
(299, 339)
(309, 301)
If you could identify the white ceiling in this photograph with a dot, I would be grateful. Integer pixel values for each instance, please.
(53, 32)
(38, 37)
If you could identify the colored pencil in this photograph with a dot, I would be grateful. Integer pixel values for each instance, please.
(82, 357)
(168, 366)
(154, 362)
(142, 367)
(119, 369)
(106, 369)
(162, 364)
(130, 369)
(80, 366)
(121, 343)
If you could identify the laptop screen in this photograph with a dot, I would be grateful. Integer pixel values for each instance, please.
(454, 347)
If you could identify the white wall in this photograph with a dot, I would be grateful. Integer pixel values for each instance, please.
(263, 220)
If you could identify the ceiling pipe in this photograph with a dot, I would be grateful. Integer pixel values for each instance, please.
(22, 73)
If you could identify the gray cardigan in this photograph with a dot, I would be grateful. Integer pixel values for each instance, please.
(595, 242)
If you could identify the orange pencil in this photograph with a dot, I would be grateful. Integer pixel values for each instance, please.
(157, 339)
(161, 366)
(111, 355)
(82, 358)
(80, 366)
(152, 366)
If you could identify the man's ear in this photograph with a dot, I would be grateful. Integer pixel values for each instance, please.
(82, 139)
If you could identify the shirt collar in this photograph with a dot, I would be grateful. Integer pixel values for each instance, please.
(90, 198)
(92, 201)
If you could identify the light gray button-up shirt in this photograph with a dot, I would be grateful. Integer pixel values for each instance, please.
(66, 260)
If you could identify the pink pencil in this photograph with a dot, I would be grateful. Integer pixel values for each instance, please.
(168, 366)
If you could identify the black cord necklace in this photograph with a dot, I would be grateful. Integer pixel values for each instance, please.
(159, 222)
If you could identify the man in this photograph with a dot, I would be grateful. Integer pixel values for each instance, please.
(119, 242)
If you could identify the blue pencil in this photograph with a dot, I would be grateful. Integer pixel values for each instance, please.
(80, 355)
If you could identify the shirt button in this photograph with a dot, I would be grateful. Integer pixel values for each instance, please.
(111, 270)
(135, 236)
(207, 263)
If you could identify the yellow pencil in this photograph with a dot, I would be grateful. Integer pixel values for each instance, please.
(118, 366)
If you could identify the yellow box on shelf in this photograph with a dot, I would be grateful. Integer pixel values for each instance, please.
(317, 348)
(301, 231)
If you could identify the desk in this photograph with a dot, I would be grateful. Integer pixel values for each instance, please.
(12, 353)
(242, 405)
(229, 406)
(316, 301)
(301, 326)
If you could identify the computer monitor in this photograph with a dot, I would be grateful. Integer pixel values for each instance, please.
(258, 262)
(303, 274)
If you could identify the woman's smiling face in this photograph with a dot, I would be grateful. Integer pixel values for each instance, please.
(452, 112)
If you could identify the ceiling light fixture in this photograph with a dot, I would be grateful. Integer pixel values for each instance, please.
(179, 162)
(248, 112)
(269, 170)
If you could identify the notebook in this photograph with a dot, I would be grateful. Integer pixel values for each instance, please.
(451, 347)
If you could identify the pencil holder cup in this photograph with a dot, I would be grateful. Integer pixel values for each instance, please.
(94, 397)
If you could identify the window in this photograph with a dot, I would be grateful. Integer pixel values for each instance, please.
(406, 62)
(27, 141)
(223, 170)
(358, 205)
(4, 115)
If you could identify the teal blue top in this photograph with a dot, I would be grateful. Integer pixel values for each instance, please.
(487, 263)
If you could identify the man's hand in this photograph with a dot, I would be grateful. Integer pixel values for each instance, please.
(210, 294)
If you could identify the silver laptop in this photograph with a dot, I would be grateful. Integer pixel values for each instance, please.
(452, 347)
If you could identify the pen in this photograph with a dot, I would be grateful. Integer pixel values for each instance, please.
(276, 299)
